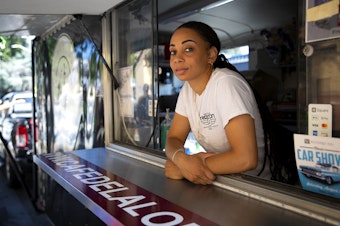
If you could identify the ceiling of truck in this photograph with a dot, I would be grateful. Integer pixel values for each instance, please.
(231, 20)
(33, 17)
(56, 7)
(234, 21)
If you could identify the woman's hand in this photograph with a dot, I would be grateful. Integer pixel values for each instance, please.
(193, 168)
(198, 173)
(172, 171)
(180, 165)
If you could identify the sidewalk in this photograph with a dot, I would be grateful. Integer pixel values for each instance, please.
(16, 208)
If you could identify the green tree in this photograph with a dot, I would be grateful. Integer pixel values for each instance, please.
(8, 55)
(6, 52)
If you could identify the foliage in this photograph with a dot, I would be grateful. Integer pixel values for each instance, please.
(14, 69)
(6, 52)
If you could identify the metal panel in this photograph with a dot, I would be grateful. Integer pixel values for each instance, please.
(221, 206)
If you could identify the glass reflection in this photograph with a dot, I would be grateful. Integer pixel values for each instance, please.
(70, 93)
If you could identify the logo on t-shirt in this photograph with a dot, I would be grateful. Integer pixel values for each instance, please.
(208, 119)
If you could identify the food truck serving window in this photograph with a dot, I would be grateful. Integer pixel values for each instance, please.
(283, 76)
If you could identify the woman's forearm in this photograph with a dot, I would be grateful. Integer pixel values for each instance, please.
(229, 162)
(173, 147)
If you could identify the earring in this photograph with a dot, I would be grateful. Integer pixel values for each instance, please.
(211, 66)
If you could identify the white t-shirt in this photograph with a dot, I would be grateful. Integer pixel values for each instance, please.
(226, 96)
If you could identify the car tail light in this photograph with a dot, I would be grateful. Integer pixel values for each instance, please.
(21, 137)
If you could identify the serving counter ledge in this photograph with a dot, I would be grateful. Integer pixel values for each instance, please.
(124, 190)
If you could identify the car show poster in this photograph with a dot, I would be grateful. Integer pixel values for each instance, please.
(318, 163)
(322, 20)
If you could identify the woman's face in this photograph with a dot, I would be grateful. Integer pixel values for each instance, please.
(190, 56)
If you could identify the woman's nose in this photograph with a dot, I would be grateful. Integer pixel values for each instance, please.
(177, 58)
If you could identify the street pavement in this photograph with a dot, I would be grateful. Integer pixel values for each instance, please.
(16, 208)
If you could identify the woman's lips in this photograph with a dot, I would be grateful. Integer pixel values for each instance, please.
(180, 71)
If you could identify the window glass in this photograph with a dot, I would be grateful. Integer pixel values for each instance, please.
(135, 74)
(264, 52)
(323, 84)
(238, 56)
(264, 49)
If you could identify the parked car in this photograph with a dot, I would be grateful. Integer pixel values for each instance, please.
(16, 124)
(322, 171)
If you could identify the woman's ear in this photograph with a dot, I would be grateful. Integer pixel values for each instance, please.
(213, 53)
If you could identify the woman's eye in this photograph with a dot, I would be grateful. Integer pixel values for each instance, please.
(185, 51)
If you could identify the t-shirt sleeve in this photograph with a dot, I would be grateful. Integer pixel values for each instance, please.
(235, 98)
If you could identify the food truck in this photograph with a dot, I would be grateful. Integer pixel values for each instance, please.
(104, 95)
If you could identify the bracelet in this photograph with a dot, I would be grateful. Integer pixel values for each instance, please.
(173, 156)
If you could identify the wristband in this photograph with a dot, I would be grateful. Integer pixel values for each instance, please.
(173, 156)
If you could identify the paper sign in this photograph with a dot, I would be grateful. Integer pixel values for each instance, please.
(318, 163)
(322, 20)
(320, 120)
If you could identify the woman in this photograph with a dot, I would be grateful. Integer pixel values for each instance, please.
(217, 104)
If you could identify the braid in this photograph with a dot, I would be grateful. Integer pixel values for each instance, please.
(222, 62)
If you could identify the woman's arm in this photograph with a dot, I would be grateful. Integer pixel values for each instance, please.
(243, 154)
(200, 168)
(191, 167)
(176, 136)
